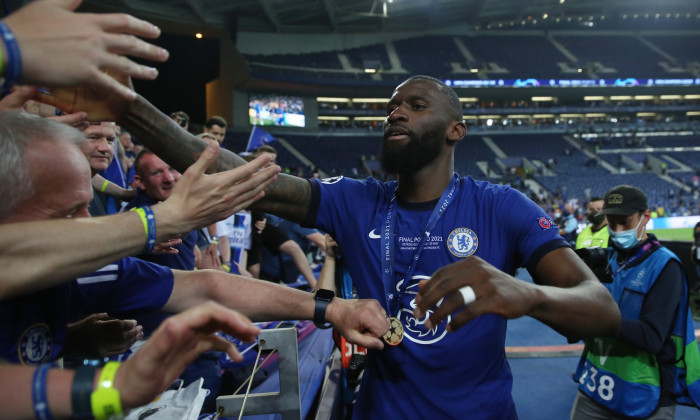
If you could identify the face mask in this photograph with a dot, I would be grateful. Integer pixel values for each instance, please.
(595, 220)
(557, 215)
(627, 238)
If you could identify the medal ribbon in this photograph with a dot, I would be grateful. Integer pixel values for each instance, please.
(393, 301)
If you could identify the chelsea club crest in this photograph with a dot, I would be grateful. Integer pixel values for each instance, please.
(35, 345)
(462, 242)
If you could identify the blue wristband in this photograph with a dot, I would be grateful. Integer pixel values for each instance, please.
(151, 220)
(13, 61)
(149, 226)
(41, 404)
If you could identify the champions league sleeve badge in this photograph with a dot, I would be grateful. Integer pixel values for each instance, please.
(394, 336)
(462, 242)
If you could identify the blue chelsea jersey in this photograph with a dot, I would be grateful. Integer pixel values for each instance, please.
(34, 325)
(432, 373)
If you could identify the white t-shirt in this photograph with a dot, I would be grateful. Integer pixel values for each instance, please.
(238, 230)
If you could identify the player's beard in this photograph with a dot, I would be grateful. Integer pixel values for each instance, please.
(414, 155)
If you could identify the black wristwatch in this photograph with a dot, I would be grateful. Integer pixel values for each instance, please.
(322, 297)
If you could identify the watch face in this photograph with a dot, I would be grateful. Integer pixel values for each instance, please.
(324, 294)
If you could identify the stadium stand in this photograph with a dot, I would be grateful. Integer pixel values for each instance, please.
(559, 54)
(524, 56)
(336, 155)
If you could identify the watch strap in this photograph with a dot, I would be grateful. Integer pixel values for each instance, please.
(321, 306)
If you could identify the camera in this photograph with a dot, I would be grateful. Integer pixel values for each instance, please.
(596, 258)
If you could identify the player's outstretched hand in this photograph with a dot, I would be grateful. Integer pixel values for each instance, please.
(22, 99)
(15, 100)
(99, 105)
(62, 48)
(492, 291)
(362, 322)
(174, 345)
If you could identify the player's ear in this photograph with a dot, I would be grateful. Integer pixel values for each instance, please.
(456, 131)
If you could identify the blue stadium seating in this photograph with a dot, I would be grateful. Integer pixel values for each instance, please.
(377, 52)
(429, 55)
(626, 54)
(468, 152)
(337, 155)
(523, 56)
(576, 185)
(683, 48)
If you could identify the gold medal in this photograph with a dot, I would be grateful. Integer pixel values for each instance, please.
(394, 336)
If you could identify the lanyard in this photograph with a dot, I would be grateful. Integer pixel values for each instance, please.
(393, 301)
(642, 252)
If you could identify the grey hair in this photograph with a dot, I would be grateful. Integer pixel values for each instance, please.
(19, 130)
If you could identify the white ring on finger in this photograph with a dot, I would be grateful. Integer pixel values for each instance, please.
(467, 294)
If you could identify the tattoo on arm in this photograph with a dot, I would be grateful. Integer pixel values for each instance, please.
(162, 135)
(288, 197)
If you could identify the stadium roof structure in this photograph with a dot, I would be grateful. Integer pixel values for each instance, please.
(362, 16)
